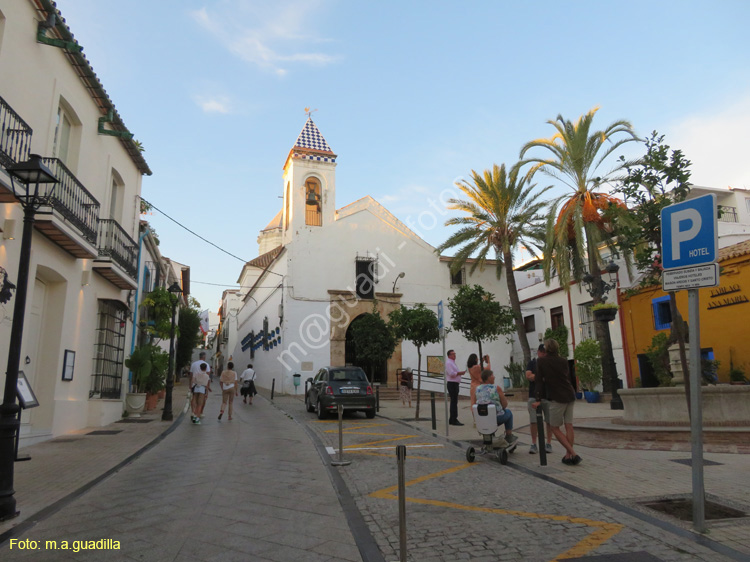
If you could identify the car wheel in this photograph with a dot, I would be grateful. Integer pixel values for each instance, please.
(308, 405)
(321, 411)
(370, 414)
(470, 454)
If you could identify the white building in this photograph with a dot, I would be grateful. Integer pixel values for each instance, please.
(83, 272)
(321, 267)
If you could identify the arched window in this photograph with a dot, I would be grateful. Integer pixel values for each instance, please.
(313, 203)
(287, 198)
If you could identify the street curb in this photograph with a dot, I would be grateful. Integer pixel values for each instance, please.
(42, 514)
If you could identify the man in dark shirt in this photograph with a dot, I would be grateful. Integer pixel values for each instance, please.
(553, 382)
(531, 376)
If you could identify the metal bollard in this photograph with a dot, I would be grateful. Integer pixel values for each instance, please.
(540, 435)
(273, 384)
(432, 406)
(377, 398)
(341, 461)
(401, 459)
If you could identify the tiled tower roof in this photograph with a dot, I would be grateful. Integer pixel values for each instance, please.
(311, 145)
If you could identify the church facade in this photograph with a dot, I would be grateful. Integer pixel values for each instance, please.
(321, 268)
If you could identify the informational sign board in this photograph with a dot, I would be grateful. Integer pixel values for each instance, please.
(695, 277)
(689, 233)
(26, 396)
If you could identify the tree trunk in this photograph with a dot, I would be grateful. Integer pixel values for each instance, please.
(515, 304)
(481, 357)
(419, 381)
(679, 335)
(601, 328)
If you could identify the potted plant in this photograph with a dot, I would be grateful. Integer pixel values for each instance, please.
(604, 311)
(588, 356)
(737, 376)
(139, 364)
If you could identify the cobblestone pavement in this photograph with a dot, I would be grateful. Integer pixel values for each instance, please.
(253, 488)
(480, 511)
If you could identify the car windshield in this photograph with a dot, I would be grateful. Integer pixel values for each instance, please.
(354, 375)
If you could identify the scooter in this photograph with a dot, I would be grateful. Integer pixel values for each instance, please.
(485, 418)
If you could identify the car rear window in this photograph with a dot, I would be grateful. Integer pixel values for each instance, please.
(348, 375)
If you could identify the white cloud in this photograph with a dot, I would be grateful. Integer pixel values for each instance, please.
(214, 104)
(716, 143)
(271, 36)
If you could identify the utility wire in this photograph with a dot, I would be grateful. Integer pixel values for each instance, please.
(191, 232)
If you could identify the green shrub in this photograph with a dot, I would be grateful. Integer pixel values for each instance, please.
(658, 356)
(588, 356)
(561, 335)
(516, 372)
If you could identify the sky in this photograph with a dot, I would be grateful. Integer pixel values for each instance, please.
(411, 96)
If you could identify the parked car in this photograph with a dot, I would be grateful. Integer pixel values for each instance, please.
(347, 386)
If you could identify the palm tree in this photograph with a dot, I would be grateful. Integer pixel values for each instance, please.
(583, 224)
(503, 211)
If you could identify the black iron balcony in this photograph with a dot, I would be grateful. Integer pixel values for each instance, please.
(118, 248)
(70, 205)
(15, 142)
(727, 214)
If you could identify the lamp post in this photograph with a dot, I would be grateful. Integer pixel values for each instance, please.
(598, 288)
(399, 276)
(174, 291)
(34, 173)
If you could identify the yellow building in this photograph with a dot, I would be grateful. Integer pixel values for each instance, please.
(724, 324)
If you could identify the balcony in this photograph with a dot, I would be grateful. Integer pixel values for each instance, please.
(15, 143)
(70, 215)
(118, 255)
(727, 214)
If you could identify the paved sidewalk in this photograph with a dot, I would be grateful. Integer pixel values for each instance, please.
(627, 472)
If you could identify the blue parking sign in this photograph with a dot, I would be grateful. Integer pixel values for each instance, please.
(689, 233)
(440, 315)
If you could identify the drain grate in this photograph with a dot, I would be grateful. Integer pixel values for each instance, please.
(682, 509)
(689, 462)
(133, 420)
(105, 432)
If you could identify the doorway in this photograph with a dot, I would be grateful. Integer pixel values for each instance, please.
(376, 371)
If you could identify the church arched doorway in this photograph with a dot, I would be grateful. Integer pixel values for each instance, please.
(377, 371)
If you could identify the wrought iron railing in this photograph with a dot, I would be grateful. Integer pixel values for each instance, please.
(728, 214)
(15, 136)
(73, 201)
(116, 244)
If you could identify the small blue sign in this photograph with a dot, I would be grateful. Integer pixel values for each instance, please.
(689, 233)
(440, 315)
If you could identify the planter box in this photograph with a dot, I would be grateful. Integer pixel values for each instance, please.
(605, 314)
(722, 405)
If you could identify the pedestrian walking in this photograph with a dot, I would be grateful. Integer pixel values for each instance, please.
(453, 382)
(475, 372)
(228, 381)
(247, 378)
(200, 386)
(531, 376)
(553, 382)
(406, 381)
(195, 366)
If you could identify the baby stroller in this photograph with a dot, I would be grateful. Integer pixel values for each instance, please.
(485, 418)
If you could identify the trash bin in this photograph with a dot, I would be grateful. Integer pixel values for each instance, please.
(297, 378)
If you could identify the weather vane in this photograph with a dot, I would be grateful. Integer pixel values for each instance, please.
(309, 112)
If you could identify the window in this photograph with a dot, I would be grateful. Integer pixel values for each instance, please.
(67, 136)
(587, 321)
(458, 278)
(287, 205)
(116, 194)
(529, 323)
(662, 314)
(556, 317)
(109, 350)
(313, 203)
(365, 280)
(2, 29)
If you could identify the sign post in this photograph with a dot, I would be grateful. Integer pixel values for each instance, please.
(690, 248)
(441, 328)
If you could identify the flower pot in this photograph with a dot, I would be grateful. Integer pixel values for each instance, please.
(151, 401)
(134, 403)
(579, 395)
(162, 394)
(605, 314)
(592, 396)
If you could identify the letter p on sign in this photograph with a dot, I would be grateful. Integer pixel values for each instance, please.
(678, 235)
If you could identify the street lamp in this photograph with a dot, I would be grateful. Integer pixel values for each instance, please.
(39, 183)
(399, 276)
(598, 288)
(174, 291)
